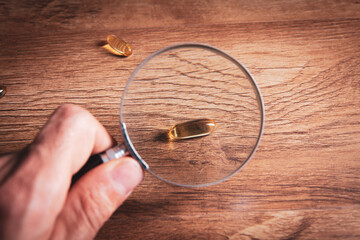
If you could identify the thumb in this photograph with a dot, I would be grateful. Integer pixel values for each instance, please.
(93, 199)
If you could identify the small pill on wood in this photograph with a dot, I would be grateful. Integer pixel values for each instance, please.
(117, 46)
(2, 91)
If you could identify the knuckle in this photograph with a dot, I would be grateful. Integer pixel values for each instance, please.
(70, 111)
(72, 117)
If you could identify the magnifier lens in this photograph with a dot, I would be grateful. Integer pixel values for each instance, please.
(184, 83)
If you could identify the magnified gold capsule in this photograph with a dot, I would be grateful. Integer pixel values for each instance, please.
(117, 46)
(2, 91)
(192, 129)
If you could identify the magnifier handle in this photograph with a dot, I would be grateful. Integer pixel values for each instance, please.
(112, 153)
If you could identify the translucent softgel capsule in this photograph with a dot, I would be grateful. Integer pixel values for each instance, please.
(117, 46)
(2, 91)
(192, 129)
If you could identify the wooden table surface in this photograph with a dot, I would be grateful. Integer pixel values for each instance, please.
(303, 181)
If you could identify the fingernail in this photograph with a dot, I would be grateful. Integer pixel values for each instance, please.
(127, 175)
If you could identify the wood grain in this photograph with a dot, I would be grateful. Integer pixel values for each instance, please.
(303, 182)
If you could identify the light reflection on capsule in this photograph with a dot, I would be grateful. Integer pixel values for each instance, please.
(192, 129)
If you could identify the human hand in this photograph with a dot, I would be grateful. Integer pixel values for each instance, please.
(35, 200)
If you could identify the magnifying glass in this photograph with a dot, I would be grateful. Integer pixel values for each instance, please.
(181, 83)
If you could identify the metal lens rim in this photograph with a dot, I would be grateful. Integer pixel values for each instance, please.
(127, 139)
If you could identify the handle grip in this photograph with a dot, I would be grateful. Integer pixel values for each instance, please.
(95, 160)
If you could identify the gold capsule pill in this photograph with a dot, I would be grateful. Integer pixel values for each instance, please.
(192, 129)
(117, 46)
(2, 91)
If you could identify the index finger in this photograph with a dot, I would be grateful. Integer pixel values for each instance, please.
(68, 139)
